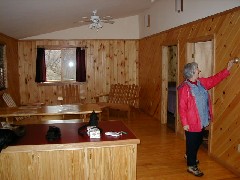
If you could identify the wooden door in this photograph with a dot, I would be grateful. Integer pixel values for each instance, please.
(201, 53)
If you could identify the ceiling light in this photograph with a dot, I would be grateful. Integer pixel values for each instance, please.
(95, 25)
(97, 21)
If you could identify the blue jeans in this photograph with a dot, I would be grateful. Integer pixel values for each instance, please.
(193, 142)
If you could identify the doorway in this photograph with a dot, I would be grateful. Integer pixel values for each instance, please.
(203, 54)
(169, 79)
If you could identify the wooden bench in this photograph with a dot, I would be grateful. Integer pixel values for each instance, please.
(121, 97)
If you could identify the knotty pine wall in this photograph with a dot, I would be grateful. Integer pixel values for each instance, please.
(107, 62)
(224, 29)
(12, 68)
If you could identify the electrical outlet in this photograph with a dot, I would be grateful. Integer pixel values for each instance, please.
(60, 98)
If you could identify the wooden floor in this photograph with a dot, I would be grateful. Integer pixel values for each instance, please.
(160, 154)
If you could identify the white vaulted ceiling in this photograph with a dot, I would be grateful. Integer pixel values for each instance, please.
(25, 18)
(22, 19)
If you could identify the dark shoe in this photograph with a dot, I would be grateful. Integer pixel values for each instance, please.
(197, 161)
(195, 171)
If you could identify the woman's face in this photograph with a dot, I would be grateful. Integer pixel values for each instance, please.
(196, 74)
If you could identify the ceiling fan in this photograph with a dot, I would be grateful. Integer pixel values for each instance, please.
(96, 21)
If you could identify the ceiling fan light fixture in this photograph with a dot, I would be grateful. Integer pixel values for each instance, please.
(99, 25)
(90, 26)
(96, 21)
(96, 26)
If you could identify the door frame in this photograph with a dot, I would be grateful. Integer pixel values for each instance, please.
(164, 93)
(190, 45)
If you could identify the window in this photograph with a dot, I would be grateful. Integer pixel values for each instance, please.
(3, 78)
(61, 64)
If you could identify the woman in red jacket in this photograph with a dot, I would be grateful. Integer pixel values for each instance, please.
(195, 109)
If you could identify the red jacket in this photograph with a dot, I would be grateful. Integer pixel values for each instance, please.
(187, 107)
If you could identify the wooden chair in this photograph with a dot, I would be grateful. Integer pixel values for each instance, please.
(122, 98)
(72, 94)
(9, 100)
(11, 103)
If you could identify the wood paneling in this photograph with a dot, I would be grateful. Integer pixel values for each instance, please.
(107, 62)
(12, 68)
(223, 29)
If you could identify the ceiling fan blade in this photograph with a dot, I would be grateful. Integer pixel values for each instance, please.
(88, 21)
(108, 21)
(83, 21)
(107, 17)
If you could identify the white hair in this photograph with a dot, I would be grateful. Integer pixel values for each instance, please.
(189, 70)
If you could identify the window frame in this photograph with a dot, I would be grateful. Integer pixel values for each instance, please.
(3, 66)
(61, 81)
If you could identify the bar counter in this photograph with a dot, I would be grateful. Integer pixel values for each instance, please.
(72, 156)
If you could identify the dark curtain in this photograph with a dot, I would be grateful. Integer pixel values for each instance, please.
(80, 65)
(40, 66)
